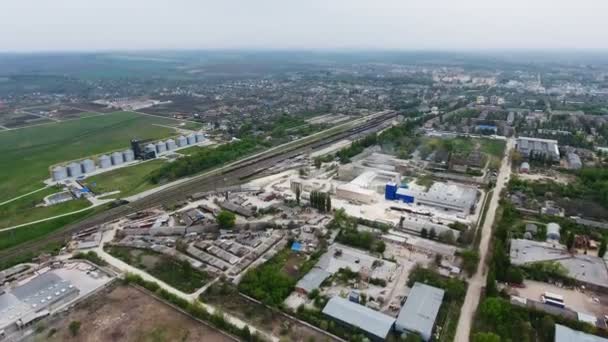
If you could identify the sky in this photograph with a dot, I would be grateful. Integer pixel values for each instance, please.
(79, 25)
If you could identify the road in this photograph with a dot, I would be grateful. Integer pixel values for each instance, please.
(478, 280)
(126, 268)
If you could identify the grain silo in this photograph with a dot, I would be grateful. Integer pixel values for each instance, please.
(128, 155)
(59, 173)
(170, 144)
(74, 170)
(116, 158)
(200, 137)
(160, 147)
(87, 165)
(182, 141)
(553, 231)
(150, 148)
(104, 161)
(191, 139)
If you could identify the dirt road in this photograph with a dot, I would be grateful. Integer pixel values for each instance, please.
(478, 281)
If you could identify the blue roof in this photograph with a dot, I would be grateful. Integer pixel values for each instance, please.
(297, 247)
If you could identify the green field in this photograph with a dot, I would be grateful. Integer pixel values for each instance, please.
(128, 180)
(25, 210)
(26, 154)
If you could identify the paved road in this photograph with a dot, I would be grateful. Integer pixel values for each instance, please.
(478, 281)
(124, 267)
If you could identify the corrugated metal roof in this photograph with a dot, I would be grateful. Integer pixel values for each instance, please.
(420, 310)
(364, 318)
(313, 279)
(565, 334)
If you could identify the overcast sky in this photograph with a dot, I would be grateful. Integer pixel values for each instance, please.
(39, 25)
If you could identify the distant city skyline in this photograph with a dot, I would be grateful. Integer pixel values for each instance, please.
(76, 25)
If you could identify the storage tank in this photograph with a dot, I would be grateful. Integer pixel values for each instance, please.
(59, 173)
(128, 155)
(74, 170)
(553, 231)
(170, 144)
(117, 158)
(87, 165)
(104, 161)
(191, 139)
(200, 137)
(150, 148)
(182, 141)
(161, 147)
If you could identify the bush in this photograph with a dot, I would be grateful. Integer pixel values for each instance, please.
(226, 219)
(74, 327)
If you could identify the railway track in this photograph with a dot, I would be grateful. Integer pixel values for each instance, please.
(232, 175)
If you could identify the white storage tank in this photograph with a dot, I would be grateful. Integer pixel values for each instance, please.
(553, 231)
(200, 137)
(191, 139)
(117, 158)
(182, 141)
(59, 173)
(88, 166)
(74, 170)
(104, 161)
(170, 144)
(150, 148)
(128, 155)
(160, 147)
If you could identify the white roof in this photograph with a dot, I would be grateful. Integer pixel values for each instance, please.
(565, 334)
(364, 318)
(420, 310)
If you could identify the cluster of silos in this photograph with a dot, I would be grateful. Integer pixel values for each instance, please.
(190, 139)
(74, 169)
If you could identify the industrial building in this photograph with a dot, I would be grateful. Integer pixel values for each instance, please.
(565, 334)
(374, 324)
(536, 147)
(366, 186)
(420, 310)
(312, 280)
(445, 196)
(574, 161)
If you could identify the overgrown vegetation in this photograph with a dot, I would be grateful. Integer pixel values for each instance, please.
(226, 219)
(351, 236)
(92, 257)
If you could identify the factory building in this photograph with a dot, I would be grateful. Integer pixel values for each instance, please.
(374, 324)
(116, 158)
(104, 161)
(88, 166)
(74, 170)
(59, 173)
(128, 155)
(171, 145)
(191, 139)
(161, 147)
(419, 312)
(365, 187)
(530, 147)
(565, 334)
(182, 141)
(445, 196)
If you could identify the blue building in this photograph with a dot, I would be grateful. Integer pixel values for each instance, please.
(394, 193)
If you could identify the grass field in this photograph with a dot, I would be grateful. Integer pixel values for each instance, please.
(128, 180)
(26, 154)
(25, 210)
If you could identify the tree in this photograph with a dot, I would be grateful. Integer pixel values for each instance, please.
(547, 328)
(432, 234)
(486, 337)
(424, 233)
(514, 275)
(298, 194)
(380, 247)
(412, 337)
(491, 290)
(602, 249)
(470, 259)
(318, 162)
(226, 219)
(74, 327)
(328, 204)
(447, 237)
(570, 240)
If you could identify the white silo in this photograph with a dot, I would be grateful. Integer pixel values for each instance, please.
(191, 139)
(150, 148)
(104, 161)
(87, 165)
(116, 158)
(59, 173)
(128, 155)
(160, 147)
(553, 231)
(74, 170)
(170, 144)
(182, 141)
(200, 137)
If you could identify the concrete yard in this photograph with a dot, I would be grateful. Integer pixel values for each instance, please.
(577, 300)
(125, 313)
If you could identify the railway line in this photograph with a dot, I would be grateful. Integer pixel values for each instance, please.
(234, 174)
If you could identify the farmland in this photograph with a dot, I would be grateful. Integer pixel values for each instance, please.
(27, 153)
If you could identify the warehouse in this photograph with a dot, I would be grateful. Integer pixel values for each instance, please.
(374, 324)
(420, 310)
(538, 147)
(446, 196)
(312, 280)
(565, 334)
